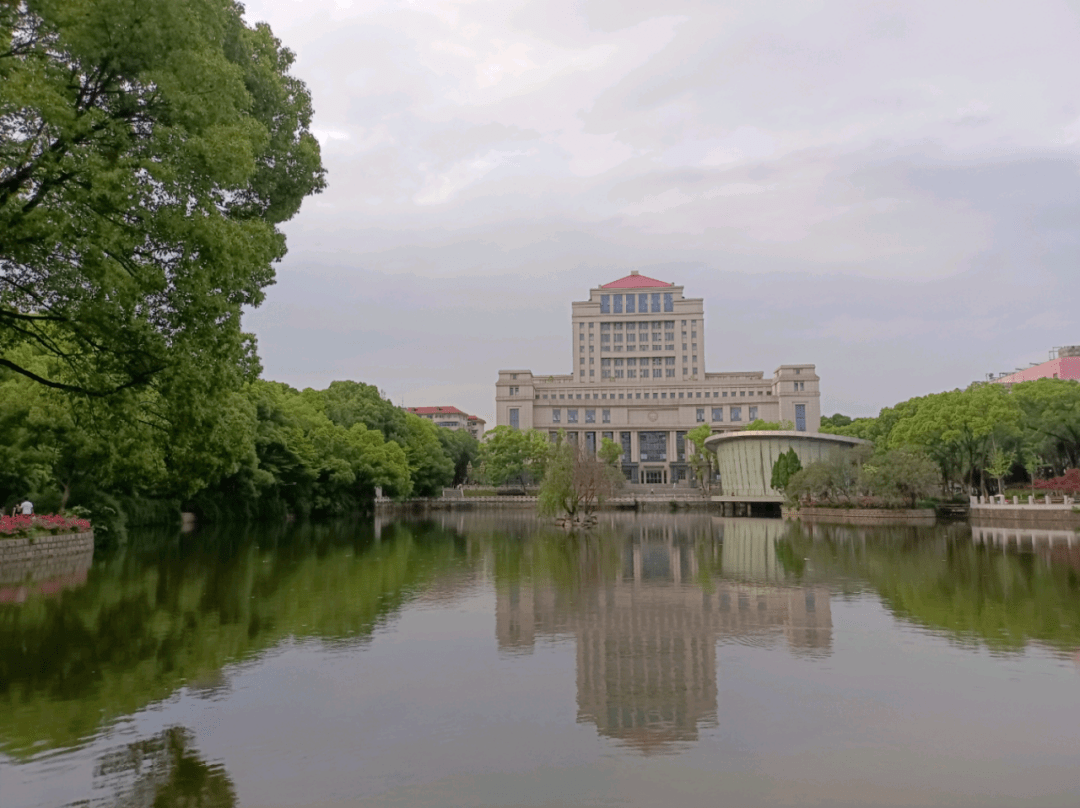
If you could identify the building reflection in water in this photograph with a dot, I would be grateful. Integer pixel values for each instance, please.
(646, 636)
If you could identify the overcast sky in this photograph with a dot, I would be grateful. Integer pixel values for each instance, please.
(888, 190)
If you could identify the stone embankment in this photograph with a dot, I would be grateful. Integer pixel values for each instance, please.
(654, 502)
(43, 564)
(1044, 511)
(863, 516)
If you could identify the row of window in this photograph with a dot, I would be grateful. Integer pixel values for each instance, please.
(637, 303)
(669, 336)
(572, 416)
(695, 394)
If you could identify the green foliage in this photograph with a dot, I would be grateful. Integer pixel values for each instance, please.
(702, 461)
(785, 467)
(575, 481)
(835, 421)
(514, 455)
(148, 152)
(835, 480)
(610, 452)
(900, 476)
(462, 448)
(767, 426)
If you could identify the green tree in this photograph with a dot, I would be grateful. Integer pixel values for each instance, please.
(702, 461)
(518, 455)
(575, 480)
(787, 465)
(462, 448)
(429, 466)
(760, 425)
(958, 429)
(148, 152)
(999, 465)
(1050, 420)
(901, 476)
(610, 453)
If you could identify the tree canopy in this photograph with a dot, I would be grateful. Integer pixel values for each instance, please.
(148, 151)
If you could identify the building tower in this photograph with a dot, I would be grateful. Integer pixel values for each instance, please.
(638, 377)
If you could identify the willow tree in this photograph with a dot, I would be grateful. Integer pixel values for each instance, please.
(149, 149)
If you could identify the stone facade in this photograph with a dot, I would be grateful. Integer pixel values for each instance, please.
(638, 377)
(745, 459)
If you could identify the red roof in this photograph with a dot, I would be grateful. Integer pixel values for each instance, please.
(436, 410)
(634, 281)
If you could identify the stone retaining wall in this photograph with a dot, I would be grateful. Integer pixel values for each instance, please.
(880, 516)
(45, 557)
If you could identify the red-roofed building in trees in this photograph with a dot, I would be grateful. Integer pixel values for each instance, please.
(452, 418)
(638, 377)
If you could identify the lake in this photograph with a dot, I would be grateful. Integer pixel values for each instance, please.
(489, 659)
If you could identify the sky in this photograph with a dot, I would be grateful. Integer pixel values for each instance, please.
(888, 190)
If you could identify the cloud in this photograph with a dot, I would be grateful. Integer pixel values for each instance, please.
(889, 190)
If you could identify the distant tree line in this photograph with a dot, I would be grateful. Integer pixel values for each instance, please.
(983, 438)
(263, 450)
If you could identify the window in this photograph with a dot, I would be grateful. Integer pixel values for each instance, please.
(653, 446)
(590, 442)
(669, 304)
(624, 439)
(630, 374)
(605, 337)
(680, 446)
(617, 308)
(725, 394)
(606, 416)
(605, 304)
(656, 302)
(800, 417)
(581, 337)
(571, 416)
(642, 303)
(701, 415)
(752, 414)
(736, 413)
(663, 395)
(590, 416)
(669, 360)
(514, 390)
(742, 393)
(514, 417)
(670, 373)
(607, 436)
(629, 304)
(605, 326)
(798, 371)
(718, 413)
(556, 416)
(658, 360)
(658, 374)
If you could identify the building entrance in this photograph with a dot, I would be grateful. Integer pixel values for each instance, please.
(655, 477)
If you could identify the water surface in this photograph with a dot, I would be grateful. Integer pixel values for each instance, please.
(490, 660)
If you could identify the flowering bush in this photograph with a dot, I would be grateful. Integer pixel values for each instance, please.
(28, 525)
(1067, 483)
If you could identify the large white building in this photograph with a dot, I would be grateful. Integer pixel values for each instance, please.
(638, 378)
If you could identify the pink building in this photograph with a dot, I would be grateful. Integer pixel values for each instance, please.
(1065, 366)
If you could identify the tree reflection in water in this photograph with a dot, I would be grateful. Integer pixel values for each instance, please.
(163, 771)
